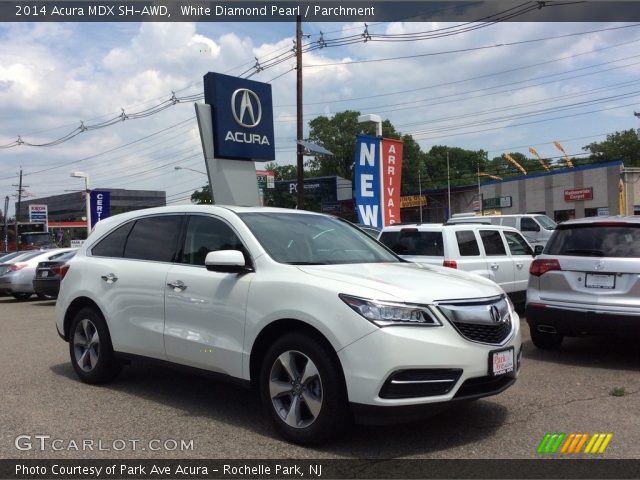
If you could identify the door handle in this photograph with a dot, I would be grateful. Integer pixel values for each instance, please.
(109, 278)
(494, 266)
(177, 286)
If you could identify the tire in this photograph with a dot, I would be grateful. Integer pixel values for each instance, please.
(544, 340)
(90, 348)
(46, 296)
(306, 411)
(21, 296)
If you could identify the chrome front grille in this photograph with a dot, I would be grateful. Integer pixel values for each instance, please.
(483, 320)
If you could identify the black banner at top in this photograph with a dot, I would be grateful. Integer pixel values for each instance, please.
(318, 11)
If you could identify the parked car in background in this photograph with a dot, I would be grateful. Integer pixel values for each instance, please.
(49, 273)
(17, 280)
(586, 282)
(322, 319)
(16, 257)
(536, 228)
(498, 253)
(5, 257)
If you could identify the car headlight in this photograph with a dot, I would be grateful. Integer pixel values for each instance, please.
(385, 314)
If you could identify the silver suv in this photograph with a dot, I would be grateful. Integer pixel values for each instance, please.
(586, 282)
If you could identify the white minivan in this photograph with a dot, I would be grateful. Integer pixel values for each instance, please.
(498, 253)
(537, 228)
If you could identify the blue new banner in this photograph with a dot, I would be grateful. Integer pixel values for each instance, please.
(367, 180)
(242, 112)
(100, 206)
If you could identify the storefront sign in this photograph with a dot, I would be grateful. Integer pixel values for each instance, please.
(409, 201)
(496, 202)
(575, 194)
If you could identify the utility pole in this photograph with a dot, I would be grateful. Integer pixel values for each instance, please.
(448, 189)
(6, 224)
(20, 190)
(420, 190)
(480, 193)
(300, 148)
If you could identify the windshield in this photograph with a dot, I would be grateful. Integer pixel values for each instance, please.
(39, 238)
(546, 222)
(593, 240)
(300, 239)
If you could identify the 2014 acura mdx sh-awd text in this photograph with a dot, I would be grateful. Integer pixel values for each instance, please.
(327, 323)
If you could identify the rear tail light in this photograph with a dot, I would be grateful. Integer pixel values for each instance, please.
(16, 266)
(450, 264)
(541, 266)
(61, 270)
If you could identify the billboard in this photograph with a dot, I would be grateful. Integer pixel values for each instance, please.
(378, 173)
(242, 114)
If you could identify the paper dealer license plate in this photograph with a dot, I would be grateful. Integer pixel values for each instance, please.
(501, 361)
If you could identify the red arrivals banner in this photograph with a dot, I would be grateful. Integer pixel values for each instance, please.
(391, 175)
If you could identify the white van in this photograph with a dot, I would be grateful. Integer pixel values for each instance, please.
(536, 227)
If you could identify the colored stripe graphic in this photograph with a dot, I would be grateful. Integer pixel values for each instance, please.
(573, 443)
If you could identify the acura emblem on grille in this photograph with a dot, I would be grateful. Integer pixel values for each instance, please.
(495, 314)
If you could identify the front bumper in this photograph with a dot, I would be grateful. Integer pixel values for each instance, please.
(575, 322)
(369, 363)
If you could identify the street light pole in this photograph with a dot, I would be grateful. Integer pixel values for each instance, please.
(87, 195)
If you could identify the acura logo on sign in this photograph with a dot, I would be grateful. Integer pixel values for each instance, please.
(247, 112)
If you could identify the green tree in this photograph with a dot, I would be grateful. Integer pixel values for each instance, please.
(202, 196)
(282, 172)
(623, 146)
(338, 135)
(463, 165)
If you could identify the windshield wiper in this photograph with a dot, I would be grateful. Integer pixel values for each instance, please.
(306, 263)
(585, 251)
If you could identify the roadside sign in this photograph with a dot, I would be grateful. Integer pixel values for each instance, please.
(76, 243)
(496, 202)
(38, 213)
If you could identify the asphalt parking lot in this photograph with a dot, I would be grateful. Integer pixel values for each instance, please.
(565, 391)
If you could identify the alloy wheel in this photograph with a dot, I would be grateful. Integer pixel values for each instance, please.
(86, 345)
(295, 388)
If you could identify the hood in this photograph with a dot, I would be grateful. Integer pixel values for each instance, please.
(408, 282)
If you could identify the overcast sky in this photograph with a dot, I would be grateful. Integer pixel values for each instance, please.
(502, 99)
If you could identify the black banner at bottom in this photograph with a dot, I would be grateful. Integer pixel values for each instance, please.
(325, 469)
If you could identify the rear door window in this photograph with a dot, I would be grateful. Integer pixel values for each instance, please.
(467, 243)
(414, 242)
(492, 241)
(154, 238)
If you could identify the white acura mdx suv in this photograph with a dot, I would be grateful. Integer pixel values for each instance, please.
(325, 321)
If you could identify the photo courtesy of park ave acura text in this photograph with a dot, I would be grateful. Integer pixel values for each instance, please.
(319, 239)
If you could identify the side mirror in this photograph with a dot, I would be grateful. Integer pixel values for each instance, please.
(537, 250)
(226, 261)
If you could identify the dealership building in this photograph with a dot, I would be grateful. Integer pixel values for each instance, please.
(585, 191)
